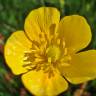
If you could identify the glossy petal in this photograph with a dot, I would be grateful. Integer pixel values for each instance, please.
(82, 68)
(40, 20)
(15, 48)
(38, 83)
(76, 32)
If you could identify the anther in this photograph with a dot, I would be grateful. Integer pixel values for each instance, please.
(65, 51)
(65, 64)
(58, 41)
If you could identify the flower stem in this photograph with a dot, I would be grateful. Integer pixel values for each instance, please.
(79, 92)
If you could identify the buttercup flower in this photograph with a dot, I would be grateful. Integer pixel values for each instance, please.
(47, 52)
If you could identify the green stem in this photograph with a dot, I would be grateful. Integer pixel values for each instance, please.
(62, 6)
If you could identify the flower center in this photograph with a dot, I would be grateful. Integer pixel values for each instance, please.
(47, 54)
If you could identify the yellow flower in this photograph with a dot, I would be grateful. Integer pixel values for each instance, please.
(48, 50)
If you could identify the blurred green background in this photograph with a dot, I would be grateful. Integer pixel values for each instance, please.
(12, 16)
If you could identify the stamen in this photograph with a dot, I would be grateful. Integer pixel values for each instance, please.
(25, 58)
(58, 41)
(66, 58)
(37, 55)
(63, 44)
(25, 65)
(65, 51)
(38, 59)
(65, 64)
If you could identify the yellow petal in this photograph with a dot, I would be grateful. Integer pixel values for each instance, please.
(38, 83)
(82, 68)
(76, 32)
(41, 20)
(14, 50)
